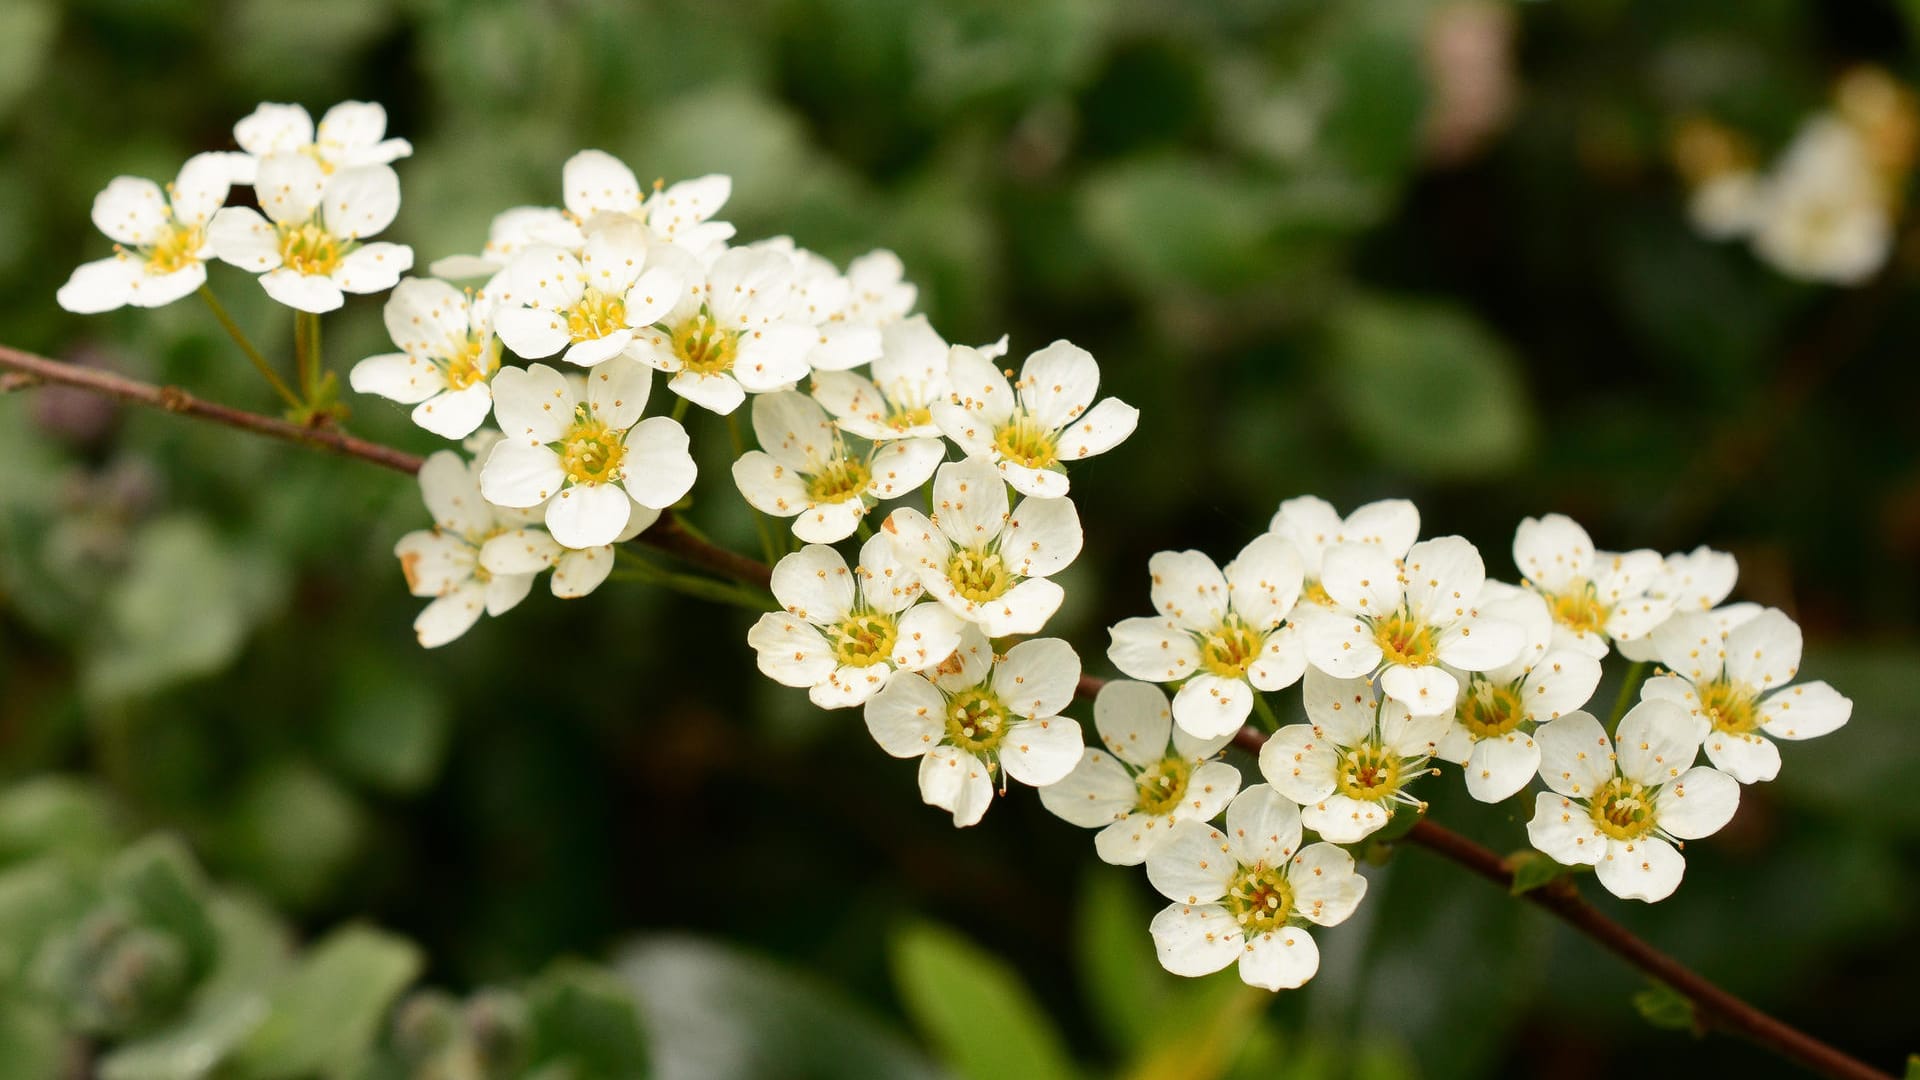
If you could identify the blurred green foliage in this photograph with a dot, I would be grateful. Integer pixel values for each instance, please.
(1289, 230)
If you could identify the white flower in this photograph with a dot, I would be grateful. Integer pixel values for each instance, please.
(845, 632)
(1313, 526)
(160, 239)
(1247, 894)
(1494, 719)
(1353, 760)
(728, 335)
(1136, 793)
(576, 571)
(981, 714)
(592, 306)
(310, 252)
(1220, 634)
(1595, 596)
(587, 455)
(1617, 812)
(352, 133)
(444, 562)
(826, 482)
(1030, 431)
(989, 563)
(1693, 581)
(880, 293)
(449, 356)
(599, 190)
(1403, 619)
(909, 375)
(1732, 675)
(1727, 205)
(1823, 214)
(821, 297)
(512, 232)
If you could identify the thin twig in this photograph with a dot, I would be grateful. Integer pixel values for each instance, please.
(1715, 1007)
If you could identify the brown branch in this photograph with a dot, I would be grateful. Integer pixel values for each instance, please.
(1714, 1006)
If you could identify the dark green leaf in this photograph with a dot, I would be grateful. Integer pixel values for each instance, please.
(583, 1018)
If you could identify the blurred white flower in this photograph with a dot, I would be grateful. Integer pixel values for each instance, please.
(512, 232)
(449, 356)
(308, 249)
(1823, 212)
(161, 243)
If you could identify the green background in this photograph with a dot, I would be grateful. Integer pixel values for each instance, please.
(1244, 211)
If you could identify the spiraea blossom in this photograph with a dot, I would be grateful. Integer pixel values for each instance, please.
(1823, 213)
(907, 378)
(1351, 763)
(309, 248)
(584, 451)
(1620, 806)
(844, 632)
(826, 481)
(1151, 776)
(1312, 525)
(985, 560)
(351, 134)
(1221, 634)
(447, 360)
(591, 306)
(1248, 893)
(444, 562)
(1692, 581)
(160, 239)
(821, 298)
(1493, 721)
(1735, 679)
(577, 572)
(1410, 621)
(1596, 597)
(729, 334)
(512, 232)
(977, 719)
(598, 189)
(880, 292)
(1030, 430)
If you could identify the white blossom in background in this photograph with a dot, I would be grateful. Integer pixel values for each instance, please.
(1727, 205)
(1151, 776)
(880, 292)
(1734, 677)
(826, 482)
(1493, 722)
(309, 248)
(444, 562)
(512, 232)
(1410, 621)
(1312, 525)
(593, 306)
(351, 134)
(448, 357)
(599, 190)
(729, 335)
(585, 453)
(987, 561)
(1248, 893)
(1223, 635)
(1030, 430)
(977, 718)
(844, 632)
(161, 246)
(1823, 213)
(1620, 811)
(1596, 597)
(1351, 763)
(1693, 581)
(821, 298)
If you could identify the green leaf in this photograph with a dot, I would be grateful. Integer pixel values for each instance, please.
(1531, 870)
(191, 1050)
(973, 1007)
(388, 726)
(1913, 1067)
(326, 1013)
(35, 899)
(293, 829)
(1176, 222)
(160, 879)
(712, 1010)
(27, 32)
(1123, 983)
(55, 814)
(31, 1042)
(1426, 387)
(1204, 1032)
(1664, 1007)
(584, 1018)
(1373, 127)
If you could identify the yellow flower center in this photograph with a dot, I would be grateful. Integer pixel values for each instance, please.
(1489, 711)
(591, 453)
(908, 417)
(976, 721)
(310, 249)
(863, 640)
(1162, 786)
(704, 346)
(1728, 707)
(1230, 649)
(978, 575)
(1023, 441)
(474, 363)
(1260, 899)
(1623, 809)
(1578, 608)
(1370, 772)
(177, 250)
(1405, 640)
(844, 478)
(595, 315)
(1314, 593)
